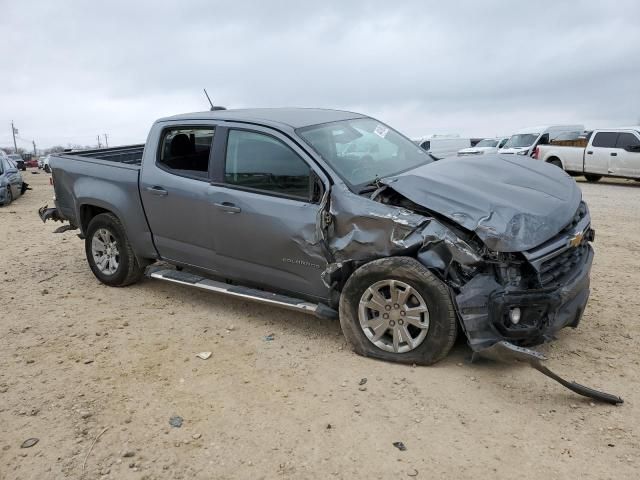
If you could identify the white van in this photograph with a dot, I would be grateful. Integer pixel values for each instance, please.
(441, 146)
(525, 141)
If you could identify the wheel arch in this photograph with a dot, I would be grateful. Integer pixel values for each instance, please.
(554, 158)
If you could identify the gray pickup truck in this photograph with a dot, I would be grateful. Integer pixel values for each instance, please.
(337, 214)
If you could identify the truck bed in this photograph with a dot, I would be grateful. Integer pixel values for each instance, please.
(128, 154)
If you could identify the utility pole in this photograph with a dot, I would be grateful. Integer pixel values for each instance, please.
(34, 148)
(106, 140)
(14, 130)
(99, 144)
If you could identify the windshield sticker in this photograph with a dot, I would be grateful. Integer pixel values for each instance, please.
(381, 131)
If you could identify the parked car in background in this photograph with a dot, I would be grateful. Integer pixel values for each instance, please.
(17, 159)
(612, 152)
(441, 146)
(275, 205)
(486, 145)
(526, 140)
(31, 163)
(11, 184)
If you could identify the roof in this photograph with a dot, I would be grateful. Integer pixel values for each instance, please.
(544, 128)
(292, 117)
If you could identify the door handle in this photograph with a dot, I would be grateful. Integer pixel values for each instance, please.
(156, 190)
(228, 207)
(614, 154)
(589, 152)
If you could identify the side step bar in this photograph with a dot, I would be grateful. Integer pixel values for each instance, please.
(197, 281)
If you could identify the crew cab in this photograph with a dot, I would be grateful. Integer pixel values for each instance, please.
(337, 214)
(613, 152)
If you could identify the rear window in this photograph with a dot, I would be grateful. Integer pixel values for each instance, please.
(185, 151)
(605, 139)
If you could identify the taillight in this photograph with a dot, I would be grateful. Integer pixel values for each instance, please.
(51, 181)
(536, 152)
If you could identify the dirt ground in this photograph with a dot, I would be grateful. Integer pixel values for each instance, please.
(79, 360)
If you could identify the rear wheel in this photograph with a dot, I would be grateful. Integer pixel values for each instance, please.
(395, 309)
(9, 197)
(556, 162)
(109, 253)
(592, 178)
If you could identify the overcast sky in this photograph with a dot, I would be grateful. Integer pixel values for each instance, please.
(72, 70)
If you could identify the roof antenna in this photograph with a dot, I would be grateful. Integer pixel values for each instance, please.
(213, 107)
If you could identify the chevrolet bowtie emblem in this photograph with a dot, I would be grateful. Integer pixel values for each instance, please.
(576, 240)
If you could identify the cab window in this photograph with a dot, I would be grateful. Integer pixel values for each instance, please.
(626, 140)
(185, 151)
(605, 139)
(261, 162)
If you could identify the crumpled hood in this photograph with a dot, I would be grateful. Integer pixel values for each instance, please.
(511, 204)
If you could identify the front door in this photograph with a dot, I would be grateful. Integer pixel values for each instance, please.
(175, 192)
(627, 161)
(265, 205)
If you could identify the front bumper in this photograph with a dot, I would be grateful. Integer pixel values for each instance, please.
(484, 306)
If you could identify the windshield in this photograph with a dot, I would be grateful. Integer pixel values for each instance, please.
(487, 142)
(15, 157)
(363, 149)
(522, 140)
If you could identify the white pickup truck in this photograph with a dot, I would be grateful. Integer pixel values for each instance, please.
(611, 152)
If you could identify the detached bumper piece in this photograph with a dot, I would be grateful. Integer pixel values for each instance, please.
(506, 352)
(47, 213)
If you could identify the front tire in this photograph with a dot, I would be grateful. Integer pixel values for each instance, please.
(592, 178)
(395, 309)
(109, 253)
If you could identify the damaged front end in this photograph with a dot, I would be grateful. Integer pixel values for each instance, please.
(520, 297)
(505, 301)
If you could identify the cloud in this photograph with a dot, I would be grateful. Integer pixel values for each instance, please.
(72, 70)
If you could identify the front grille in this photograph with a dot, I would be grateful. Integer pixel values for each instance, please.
(559, 268)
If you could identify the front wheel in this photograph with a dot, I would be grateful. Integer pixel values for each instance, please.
(592, 178)
(109, 253)
(395, 309)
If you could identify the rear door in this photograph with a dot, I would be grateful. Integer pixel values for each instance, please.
(265, 206)
(627, 161)
(174, 186)
(599, 152)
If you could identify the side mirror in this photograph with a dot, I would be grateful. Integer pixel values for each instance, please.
(633, 148)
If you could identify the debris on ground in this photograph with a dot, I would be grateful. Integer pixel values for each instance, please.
(269, 338)
(175, 421)
(400, 446)
(29, 442)
(203, 355)
(128, 454)
(363, 381)
(414, 473)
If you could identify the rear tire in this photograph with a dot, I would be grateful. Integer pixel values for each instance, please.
(428, 290)
(592, 178)
(9, 197)
(556, 162)
(109, 252)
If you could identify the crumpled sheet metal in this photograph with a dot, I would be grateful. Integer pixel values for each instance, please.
(511, 205)
(362, 229)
